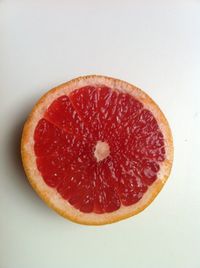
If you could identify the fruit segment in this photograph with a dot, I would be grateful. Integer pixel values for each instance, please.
(99, 148)
(62, 114)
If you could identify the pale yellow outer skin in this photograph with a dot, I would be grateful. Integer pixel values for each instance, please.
(50, 195)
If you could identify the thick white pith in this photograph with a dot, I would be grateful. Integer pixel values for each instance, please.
(50, 195)
(101, 151)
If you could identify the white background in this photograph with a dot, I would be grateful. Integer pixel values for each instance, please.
(152, 44)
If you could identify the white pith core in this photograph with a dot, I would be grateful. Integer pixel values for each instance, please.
(102, 150)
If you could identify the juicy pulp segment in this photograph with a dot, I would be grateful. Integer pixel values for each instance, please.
(65, 141)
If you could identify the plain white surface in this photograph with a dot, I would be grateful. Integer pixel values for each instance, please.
(152, 44)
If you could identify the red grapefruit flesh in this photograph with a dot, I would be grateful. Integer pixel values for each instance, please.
(99, 149)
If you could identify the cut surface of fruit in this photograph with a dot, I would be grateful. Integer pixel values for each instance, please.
(97, 149)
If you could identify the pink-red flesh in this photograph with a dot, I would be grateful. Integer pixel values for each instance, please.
(65, 141)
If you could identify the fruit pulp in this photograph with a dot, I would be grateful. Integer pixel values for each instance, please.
(66, 139)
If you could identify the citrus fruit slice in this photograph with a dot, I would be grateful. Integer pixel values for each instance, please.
(97, 149)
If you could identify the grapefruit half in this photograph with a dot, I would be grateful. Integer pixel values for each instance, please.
(97, 149)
